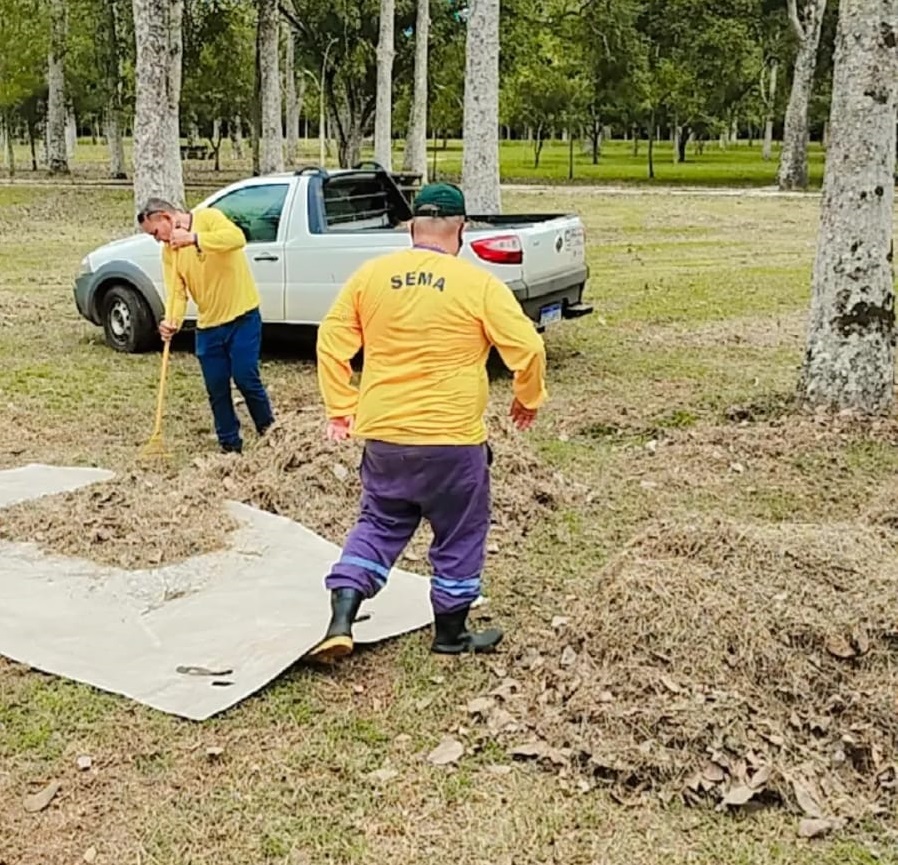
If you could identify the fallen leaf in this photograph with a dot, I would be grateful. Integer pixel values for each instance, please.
(448, 751)
(839, 647)
(806, 801)
(861, 641)
(423, 703)
(559, 622)
(530, 750)
(738, 795)
(499, 720)
(670, 684)
(481, 705)
(497, 769)
(568, 657)
(606, 697)
(214, 751)
(505, 690)
(39, 801)
(813, 828)
(381, 776)
(90, 855)
(713, 773)
(340, 472)
(84, 763)
(760, 778)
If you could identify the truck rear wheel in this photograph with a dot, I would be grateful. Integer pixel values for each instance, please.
(127, 320)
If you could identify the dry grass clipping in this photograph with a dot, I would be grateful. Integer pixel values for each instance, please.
(745, 663)
(145, 520)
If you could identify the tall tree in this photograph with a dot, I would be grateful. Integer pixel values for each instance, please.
(271, 140)
(415, 158)
(480, 159)
(850, 358)
(768, 97)
(383, 112)
(806, 17)
(291, 108)
(114, 90)
(56, 99)
(157, 146)
(23, 51)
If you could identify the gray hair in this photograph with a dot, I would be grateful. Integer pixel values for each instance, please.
(155, 205)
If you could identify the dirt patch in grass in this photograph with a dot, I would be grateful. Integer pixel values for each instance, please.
(145, 518)
(736, 662)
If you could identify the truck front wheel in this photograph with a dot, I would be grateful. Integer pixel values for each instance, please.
(127, 320)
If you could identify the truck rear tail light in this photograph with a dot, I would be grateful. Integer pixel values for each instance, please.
(504, 249)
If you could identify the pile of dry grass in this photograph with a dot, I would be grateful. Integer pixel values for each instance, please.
(144, 519)
(737, 662)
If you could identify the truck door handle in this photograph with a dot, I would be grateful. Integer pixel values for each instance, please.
(265, 256)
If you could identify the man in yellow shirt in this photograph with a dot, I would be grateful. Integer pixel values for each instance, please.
(203, 254)
(426, 321)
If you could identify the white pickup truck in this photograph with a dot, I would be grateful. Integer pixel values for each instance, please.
(307, 231)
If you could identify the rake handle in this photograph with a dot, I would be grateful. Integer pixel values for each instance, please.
(160, 399)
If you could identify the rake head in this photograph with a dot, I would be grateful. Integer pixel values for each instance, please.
(155, 449)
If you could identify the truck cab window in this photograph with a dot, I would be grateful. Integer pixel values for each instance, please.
(256, 209)
(356, 202)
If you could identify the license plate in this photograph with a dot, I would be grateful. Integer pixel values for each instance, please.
(550, 314)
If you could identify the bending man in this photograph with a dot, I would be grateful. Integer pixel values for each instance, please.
(203, 254)
(426, 321)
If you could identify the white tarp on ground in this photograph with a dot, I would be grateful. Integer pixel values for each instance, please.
(190, 639)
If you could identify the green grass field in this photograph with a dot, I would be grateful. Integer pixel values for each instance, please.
(739, 165)
(699, 307)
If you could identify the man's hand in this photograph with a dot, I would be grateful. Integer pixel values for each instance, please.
(180, 237)
(522, 417)
(338, 429)
(167, 329)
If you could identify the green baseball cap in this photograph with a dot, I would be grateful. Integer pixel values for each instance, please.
(439, 199)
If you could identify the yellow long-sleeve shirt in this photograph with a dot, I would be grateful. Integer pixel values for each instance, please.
(426, 321)
(215, 273)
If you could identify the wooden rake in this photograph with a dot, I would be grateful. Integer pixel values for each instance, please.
(155, 448)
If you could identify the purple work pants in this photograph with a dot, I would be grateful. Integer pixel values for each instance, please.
(449, 486)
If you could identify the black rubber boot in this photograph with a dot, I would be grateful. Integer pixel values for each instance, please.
(337, 642)
(452, 637)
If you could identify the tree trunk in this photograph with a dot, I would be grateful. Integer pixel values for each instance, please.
(770, 100)
(652, 129)
(849, 362)
(56, 99)
(157, 146)
(32, 145)
(383, 116)
(793, 168)
(10, 143)
(114, 94)
(290, 97)
(415, 159)
(480, 159)
(271, 145)
(570, 155)
(235, 133)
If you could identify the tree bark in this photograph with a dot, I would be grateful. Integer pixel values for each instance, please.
(71, 132)
(770, 105)
(480, 159)
(290, 97)
(58, 156)
(113, 120)
(10, 143)
(235, 133)
(157, 150)
(383, 115)
(807, 21)
(415, 159)
(271, 145)
(850, 357)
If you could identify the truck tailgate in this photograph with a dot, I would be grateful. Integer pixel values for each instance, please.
(552, 248)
